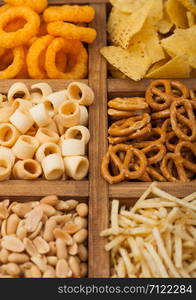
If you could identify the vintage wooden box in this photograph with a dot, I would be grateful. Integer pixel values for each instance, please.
(94, 190)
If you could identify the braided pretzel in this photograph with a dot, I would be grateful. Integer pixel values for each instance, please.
(128, 104)
(189, 121)
(127, 126)
(172, 90)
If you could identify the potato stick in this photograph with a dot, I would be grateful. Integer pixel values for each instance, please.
(134, 231)
(126, 221)
(190, 197)
(151, 264)
(114, 251)
(162, 212)
(156, 204)
(149, 213)
(173, 214)
(114, 243)
(192, 231)
(139, 218)
(177, 248)
(188, 244)
(121, 268)
(157, 260)
(134, 248)
(129, 266)
(143, 197)
(163, 252)
(114, 214)
(145, 270)
(191, 267)
(169, 197)
(168, 243)
(191, 222)
(184, 273)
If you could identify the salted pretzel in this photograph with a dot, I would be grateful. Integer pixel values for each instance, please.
(125, 167)
(193, 94)
(119, 114)
(127, 126)
(128, 104)
(154, 152)
(182, 122)
(161, 93)
(171, 141)
(187, 163)
(156, 135)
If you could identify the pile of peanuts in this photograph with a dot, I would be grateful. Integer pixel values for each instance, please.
(43, 239)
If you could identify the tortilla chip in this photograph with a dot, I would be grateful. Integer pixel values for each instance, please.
(116, 73)
(133, 64)
(156, 12)
(182, 43)
(177, 13)
(191, 18)
(148, 35)
(178, 67)
(165, 24)
(127, 6)
(189, 4)
(122, 27)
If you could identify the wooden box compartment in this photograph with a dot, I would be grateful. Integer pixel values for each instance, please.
(94, 189)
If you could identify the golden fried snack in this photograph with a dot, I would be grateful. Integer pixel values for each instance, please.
(119, 114)
(15, 63)
(172, 168)
(154, 152)
(128, 104)
(37, 5)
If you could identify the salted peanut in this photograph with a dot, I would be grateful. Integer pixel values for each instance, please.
(71, 204)
(50, 273)
(37, 231)
(52, 260)
(21, 209)
(6, 203)
(12, 223)
(61, 248)
(82, 222)
(80, 236)
(38, 261)
(62, 218)
(12, 269)
(74, 266)
(52, 248)
(4, 253)
(4, 228)
(73, 249)
(12, 243)
(26, 266)
(59, 233)
(21, 231)
(3, 212)
(82, 252)
(83, 270)
(71, 227)
(62, 269)
(41, 245)
(50, 225)
(33, 218)
(82, 209)
(18, 258)
(48, 210)
(35, 272)
(27, 273)
(50, 200)
(62, 205)
(30, 248)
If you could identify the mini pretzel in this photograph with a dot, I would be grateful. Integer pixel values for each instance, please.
(189, 165)
(149, 152)
(177, 118)
(115, 114)
(152, 174)
(167, 171)
(127, 126)
(193, 94)
(160, 100)
(128, 104)
(163, 114)
(156, 135)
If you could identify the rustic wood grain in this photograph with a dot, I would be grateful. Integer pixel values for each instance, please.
(98, 188)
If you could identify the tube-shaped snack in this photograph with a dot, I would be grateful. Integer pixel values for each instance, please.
(52, 126)
(83, 115)
(18, 90)
(25, 147)
(33, 130)
(69, 112)
(36, 98)
(76, 167)
(47, 149)
(5, 114)
(5, 168)
(8, 134)
(45, 135)
(59, 124)
(56, 99)
(27, 169)
(78, 132)
(7, 154)
(72, 147)
(21, 104)
(81, 93)
(53, 166)
(42, 87)
(22, 120)
(40, 115)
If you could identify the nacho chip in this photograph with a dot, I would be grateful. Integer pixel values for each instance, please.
(156, 12)
(116, 73)
(165, 24)
(189, 4)
(178, 67)
(191, 18)
(128, 6)
(133, 64)
(177, 13)
(148, 35)
(182, 43)
(122, 27)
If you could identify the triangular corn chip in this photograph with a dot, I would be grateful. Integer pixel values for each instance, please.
(177, 13)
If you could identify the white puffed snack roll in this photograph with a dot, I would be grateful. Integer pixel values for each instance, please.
(42, 87)
(45, 135)
(22, 120)
(36, 98)
(40, 115)
(69, 112)
(47, 149)
(72, 147)
(18, 90)
(56, 99)
(78, 132)
(8, 135)
(32, 131)
(52, 126)
(25, 147)
(81, 93)
(5, 168)
(76, 167)
(21, 104)
(8, 154)
(27, 169)
(53, 166)
(5, 114)
(83, 115)
(61, 128)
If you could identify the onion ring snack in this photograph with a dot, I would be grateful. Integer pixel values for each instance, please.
(15, 67)
(39, 5)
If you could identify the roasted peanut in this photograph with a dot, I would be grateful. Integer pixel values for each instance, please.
(80, 236)
(82, 222)
(52, 260)
(82, 252)
(12, 243)
(48, 232)
(62, 269)
(50, 200)
(61, 249)
(18, 258)
(35, 272)
(74, 266)
(82, 209)
(12, 223)
(41, 245)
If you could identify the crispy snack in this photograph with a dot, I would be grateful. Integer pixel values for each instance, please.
(154, 238)
(177, 13)
(69, 13)
(19, 37)
(38, 6)
(189, 4)
(36, 55)
(71, 31)
(128, 104)
(77, 59)
(15, 63)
